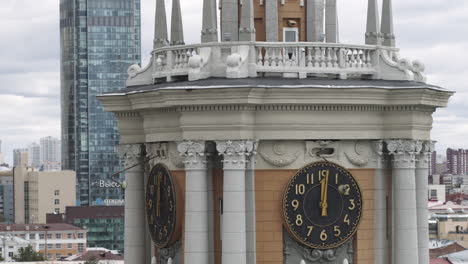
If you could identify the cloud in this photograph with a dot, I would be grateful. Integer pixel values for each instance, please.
(432, 31)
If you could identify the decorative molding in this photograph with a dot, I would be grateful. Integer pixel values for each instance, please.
(157, 152)
(236, 153)
(170, 252)
(127, 114)
(280, 162)
(312, 147)
(403, 152)
(176, 159)
(359, 158)
(424, 154)
(131, 154)
(194, 153)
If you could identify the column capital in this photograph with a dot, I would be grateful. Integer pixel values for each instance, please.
(131, 153)
(236, 153)
(424, 154)
(403, 152)
(194, 153)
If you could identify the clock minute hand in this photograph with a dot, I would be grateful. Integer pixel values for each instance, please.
(324, 203)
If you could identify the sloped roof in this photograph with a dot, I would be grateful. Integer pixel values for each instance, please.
(440, 261)
(96, 255)
(449, 249)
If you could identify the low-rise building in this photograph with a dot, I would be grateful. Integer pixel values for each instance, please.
(105, 224)
(6, 197)
(53, 240)
(40, 192)
(436, 193)
(10, 245)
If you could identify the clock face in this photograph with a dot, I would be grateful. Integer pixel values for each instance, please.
(322, 205)
(161, 206)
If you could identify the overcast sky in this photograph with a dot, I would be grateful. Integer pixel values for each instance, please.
(432, 31)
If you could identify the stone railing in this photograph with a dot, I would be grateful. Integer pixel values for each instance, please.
(289, 60)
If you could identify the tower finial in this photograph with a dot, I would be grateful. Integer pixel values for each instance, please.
(331, 21)
(160, 27)
(247, 26)
(209, 31)
(387, 24)
(177, 29)
(373, 35)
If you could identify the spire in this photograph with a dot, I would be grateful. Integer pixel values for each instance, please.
(387, 24)
(210, 26)
(331, 21)
(160, 27)
(373, 36)
(247, 26)
(177, 30)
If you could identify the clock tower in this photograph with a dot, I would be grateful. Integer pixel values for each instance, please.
(271, 142)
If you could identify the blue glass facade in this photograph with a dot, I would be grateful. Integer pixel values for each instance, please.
(100, 39)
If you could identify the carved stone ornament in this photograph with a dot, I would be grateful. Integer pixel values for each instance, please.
(424, 154)
(157, 152)
(314, 150)
(361, 155)
(176, 159)
(236, 153)
(194, 154)
(279, 156)
(131, 154)
(403, 152)
(295, 253)
(173, 252)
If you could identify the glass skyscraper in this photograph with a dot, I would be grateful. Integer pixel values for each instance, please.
(100, 39)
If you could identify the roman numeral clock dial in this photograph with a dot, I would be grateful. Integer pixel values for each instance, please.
(322, 206)
(161, 206)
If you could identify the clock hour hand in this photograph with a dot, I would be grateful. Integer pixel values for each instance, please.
(324, 195)
(158, 198)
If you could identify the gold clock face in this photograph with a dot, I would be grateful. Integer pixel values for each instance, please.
(161, 206)
(322, 205)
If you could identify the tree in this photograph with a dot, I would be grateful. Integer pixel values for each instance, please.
(28, 254)
(1, 257)
(92, 260)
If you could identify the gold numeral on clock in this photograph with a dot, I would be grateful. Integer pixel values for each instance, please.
(310, 228)
(324, 174)
(346, 189)
(323, 235)
(295, 204)
(352, 206)
(310, 178)
(300, 189)
(346, 220)
(337, 231)
(299, 220)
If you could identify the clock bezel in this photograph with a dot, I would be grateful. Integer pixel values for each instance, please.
(175, 233)
(284, 212)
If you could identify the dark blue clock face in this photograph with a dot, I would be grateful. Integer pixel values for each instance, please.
(161, 206)
(322, 205)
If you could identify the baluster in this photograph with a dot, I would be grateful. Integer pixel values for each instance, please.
(334, 57)
(267, 59)
(294, 57)
(328, 57)
(177, 59)
(259, 56)
(369, 59)
(350, 58)
(280, 57)
(316, 57)
(309, 56)
(362, 59)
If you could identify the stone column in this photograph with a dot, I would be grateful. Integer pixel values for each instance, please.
(387, 24)
(160, 27)
(422, 167)
(177, 29)
(373, 36)
(404, 227)
(250, 208)
(196, 247)
(315, 15)
(380, 205)
(209, 25)
(230, 20)
(271, 20)
(235, 156)
(331, 21)
(135, 224)
(247, 26)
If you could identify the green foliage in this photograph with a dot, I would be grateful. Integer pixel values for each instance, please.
(92, 260)
(28, 254)
(1, 257)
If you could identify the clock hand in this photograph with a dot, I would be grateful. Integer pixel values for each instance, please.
(325, 196)
(158, 199)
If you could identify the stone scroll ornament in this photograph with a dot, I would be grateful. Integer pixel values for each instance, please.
(279, 156)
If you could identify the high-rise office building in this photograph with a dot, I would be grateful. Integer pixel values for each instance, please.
(99, 41)
(20, 157)
(50, 150)
(34, 154)
(457, 161)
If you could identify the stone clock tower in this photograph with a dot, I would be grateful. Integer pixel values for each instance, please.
(270, 142)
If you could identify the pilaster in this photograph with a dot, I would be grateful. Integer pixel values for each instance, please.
(250, 207)
(234, 234)
(425, 148)
(196, 247)
(135, 223)
(380, 204)
(405, 237)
